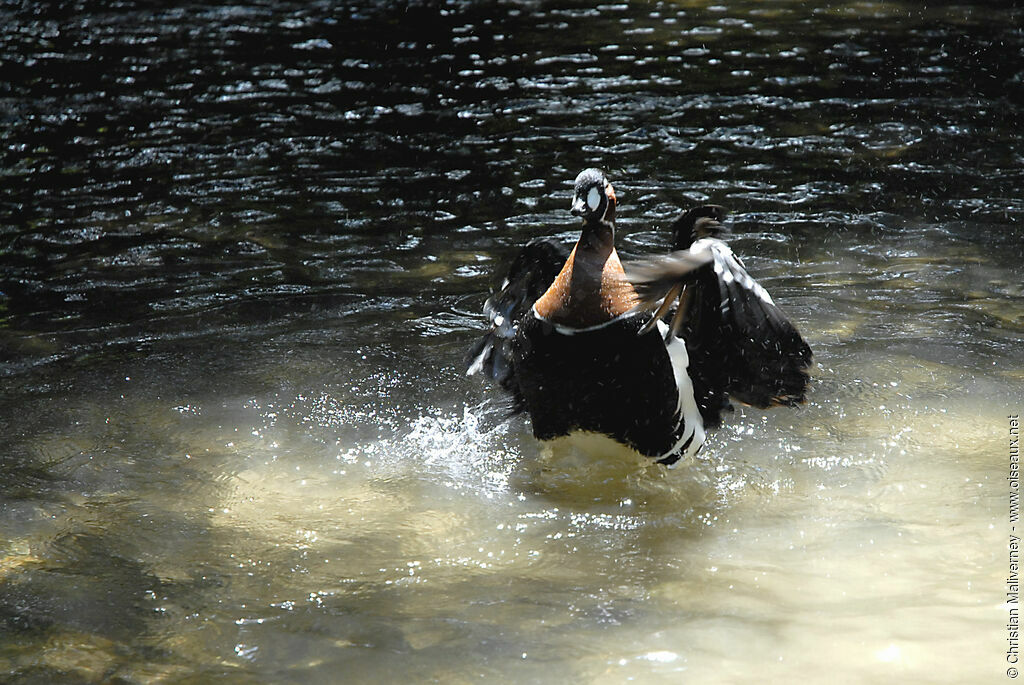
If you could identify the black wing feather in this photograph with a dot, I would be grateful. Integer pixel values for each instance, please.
(767, 359)
(531, 273)
(704, 221)
(739, 342)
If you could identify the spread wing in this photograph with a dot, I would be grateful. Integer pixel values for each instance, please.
(739, 342)
(532, 271)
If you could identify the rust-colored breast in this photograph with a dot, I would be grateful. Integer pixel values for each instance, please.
(591, 289)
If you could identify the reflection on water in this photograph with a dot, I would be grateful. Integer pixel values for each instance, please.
(243, 250)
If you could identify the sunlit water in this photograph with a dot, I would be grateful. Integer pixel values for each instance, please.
(243, 250)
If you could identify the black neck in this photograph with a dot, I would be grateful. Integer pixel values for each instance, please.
(597, 235)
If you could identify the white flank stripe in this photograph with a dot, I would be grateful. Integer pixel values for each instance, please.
(687, 406)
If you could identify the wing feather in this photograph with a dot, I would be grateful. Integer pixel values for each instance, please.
(740, 342)
(530, 274)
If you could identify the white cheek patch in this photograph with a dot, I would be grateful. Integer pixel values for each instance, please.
(593, 199)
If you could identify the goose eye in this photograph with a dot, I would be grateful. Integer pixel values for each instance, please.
(593, 199)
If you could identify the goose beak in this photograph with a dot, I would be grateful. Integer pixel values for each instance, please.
(579, 207)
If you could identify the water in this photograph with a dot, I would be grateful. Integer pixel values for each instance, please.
(243, 249)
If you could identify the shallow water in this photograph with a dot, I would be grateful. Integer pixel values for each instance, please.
(243, 251)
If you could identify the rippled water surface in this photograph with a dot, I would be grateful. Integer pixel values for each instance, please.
(242, 252)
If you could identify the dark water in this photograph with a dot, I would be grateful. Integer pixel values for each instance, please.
(242, 251)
